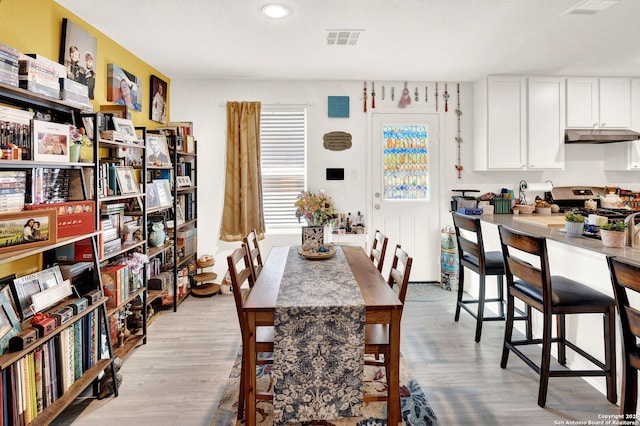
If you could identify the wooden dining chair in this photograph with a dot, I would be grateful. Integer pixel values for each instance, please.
(529, 279)
(473, 256)
(240, 272)
(377, 335)
(625, 277)
(378, 249)
(251, 240)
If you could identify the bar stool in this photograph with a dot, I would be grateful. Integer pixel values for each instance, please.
(625, 277)
(552, 295)
(472, 255)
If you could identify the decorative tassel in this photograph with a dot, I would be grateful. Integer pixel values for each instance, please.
(365, 96)
(373, 95)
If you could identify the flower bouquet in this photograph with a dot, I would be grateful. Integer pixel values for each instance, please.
(316, 209)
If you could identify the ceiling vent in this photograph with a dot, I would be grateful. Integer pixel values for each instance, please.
(589, 7)
(343, 37)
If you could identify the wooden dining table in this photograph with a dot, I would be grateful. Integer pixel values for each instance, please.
(382, 306)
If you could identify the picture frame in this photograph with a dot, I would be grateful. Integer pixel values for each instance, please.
(5, 285)
(79, 55)
(153, 198)
(158, 100)
(15, 235)
(123, 87)
(9, 321)
(157, 150)
(179, 215)
(119, 111)
(25, 287)
(164, 191)
(125, 127)
(127, 182)
(50, 142)
(183, 181)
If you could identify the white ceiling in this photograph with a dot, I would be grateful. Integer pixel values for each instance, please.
(414, 40)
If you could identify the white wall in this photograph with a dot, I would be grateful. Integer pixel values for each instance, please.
(203, 102)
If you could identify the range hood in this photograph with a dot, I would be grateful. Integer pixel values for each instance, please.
(600, 135)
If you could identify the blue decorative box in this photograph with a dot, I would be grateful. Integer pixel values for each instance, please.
(475, 211)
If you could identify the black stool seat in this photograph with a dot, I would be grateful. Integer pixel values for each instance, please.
(565, 292)
(493, 262)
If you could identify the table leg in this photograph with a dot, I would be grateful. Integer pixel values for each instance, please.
(393, 404)
(250, 372)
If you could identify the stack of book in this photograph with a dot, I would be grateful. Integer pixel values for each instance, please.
(111, 225)
(9, 65)
(187, 242)
(75, 92)
(15, 129)
(13, 186)
(39, 76)
(49, 185)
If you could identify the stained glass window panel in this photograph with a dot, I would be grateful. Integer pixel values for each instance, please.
(405, 160)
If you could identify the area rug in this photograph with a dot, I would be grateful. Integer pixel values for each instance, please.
(415, 408)
(426, 292)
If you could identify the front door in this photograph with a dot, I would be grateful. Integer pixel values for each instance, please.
(405, 189)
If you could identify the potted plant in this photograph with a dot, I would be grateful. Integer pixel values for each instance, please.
(612, 234)
(573, 223)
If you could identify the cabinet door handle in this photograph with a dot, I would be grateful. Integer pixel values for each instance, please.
(603, 124)
(595, 124)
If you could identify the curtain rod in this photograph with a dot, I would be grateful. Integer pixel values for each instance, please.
(309, 104)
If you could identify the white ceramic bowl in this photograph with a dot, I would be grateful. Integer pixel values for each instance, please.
(543, 210)
(525, 208)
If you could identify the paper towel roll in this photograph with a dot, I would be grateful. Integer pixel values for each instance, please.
(539, 187)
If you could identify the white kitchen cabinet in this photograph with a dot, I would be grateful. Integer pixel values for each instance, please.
(519, 123)
(500, 123)
(626, 155)
(598, 103)
(545, 122)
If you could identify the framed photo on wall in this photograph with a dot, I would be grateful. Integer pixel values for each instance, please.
(78, 53)
(158, 100)
(123, 88)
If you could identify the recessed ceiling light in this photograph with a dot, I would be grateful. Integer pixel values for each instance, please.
(275, 11)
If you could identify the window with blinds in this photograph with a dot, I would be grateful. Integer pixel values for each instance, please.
(283, 136)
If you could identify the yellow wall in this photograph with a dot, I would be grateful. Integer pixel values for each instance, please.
(34, 26)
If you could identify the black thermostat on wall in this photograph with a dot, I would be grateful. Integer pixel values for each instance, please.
(335, 174)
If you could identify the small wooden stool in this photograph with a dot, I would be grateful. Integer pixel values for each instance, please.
(204, 285)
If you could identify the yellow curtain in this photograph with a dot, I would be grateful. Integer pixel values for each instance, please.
(243, 185)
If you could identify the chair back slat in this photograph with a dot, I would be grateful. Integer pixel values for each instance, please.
(378, 249)
(240, 271)
(251, 241)
(469, 242)
(400, 271)
(625, 278)
(519, 249)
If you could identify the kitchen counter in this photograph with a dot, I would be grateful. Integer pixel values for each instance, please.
(557, 234)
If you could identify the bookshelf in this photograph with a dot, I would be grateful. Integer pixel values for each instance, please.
(121, 213)
(182, 221)
(47, 368)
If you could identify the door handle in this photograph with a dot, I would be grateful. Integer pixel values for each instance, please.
(377, 195)
(377, 206)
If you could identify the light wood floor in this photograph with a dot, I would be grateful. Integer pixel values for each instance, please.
(178, 377)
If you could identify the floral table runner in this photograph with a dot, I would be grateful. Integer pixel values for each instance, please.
(318, 341)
